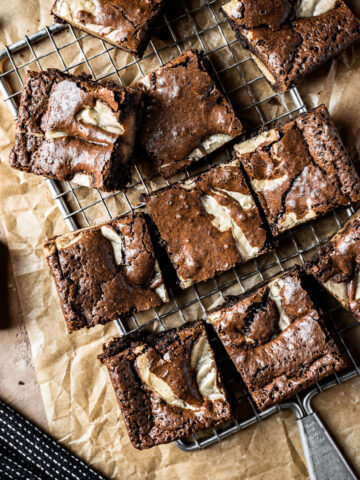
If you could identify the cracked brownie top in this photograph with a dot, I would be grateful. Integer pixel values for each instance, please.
(123, 23)
(168, 387)
(250, 13)
(276, 339)
(209, 223)
(186, 116)
(337, 264)
(72, 128)
(299, 170)
(291, 38)
(105, 272)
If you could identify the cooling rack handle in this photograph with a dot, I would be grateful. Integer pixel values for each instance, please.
(323, 458)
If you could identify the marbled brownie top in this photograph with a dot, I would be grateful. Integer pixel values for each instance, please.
(105, 272)
(73, 128)
(276, 339)
(299, 170)
(167, 387)
(209, 223)
(126, 24)
(289, 39)
(186, 115)
(337, 263)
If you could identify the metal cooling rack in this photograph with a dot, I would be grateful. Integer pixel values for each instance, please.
(195, 24)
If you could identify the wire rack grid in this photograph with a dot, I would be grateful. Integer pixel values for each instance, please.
(194, 23)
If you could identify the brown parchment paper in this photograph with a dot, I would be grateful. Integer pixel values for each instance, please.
(79, 401)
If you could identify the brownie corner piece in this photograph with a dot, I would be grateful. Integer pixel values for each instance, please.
(126, 25)
(277, 339)
(168, 387)
(299, 170)
(105, 272)
(289, 39)
(336, 265)
(209, 223)
(88, 139)
(186, 116)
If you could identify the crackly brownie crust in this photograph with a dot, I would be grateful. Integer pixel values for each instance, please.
(73, 128)
(168, 387)
(250, 13)
(299, 170)
(105, 272)
(336, 265)
(125, 24)
(186, 115)
(287, 47)
(209, 223)
(276, 339)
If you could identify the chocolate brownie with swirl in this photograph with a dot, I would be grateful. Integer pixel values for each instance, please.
(186, 116)
(336, 265)
(290, 38)
(168, 385)
(106, 272)
(209, 223)
(277, 339)
(126, 24)
(73, 128)
(299, 170)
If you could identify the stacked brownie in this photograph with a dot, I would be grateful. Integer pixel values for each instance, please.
(288, 38)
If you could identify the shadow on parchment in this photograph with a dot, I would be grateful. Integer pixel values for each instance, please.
(4, 300)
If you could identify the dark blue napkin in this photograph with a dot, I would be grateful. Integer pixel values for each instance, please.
(27, 453)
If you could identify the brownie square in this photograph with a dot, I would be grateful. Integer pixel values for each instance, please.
(289, 39)
(336, 265)
(299, 170)
(276, 339)
(126, 24)
(72, 128)
(168, 387)
(209, 223)
(106, 272)
(186, 115)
